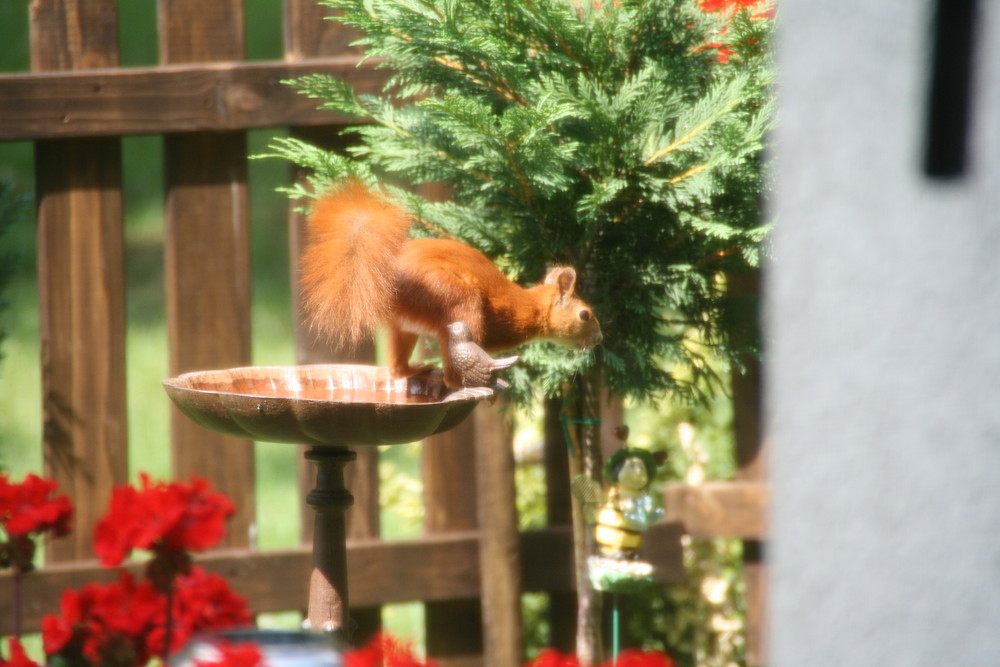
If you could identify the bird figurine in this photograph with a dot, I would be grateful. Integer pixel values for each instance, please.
(474, 365)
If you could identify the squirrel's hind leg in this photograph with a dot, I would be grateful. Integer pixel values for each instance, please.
(401, 344)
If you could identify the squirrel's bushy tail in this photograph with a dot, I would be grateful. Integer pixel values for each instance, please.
(349, 264)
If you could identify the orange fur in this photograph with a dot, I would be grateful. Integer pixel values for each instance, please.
(348, 275)
(359, 271)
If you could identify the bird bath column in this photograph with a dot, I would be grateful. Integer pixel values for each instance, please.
(328, 599)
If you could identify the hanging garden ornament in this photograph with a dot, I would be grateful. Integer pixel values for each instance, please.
(620, 519)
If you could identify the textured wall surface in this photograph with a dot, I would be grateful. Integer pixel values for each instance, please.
(883, 319)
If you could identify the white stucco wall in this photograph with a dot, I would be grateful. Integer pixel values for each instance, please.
(883, 373)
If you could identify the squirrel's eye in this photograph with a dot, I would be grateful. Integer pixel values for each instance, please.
(585, 315)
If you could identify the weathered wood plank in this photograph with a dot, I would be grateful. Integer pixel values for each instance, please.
(207, 265)
(499, 551)
(172, 98)
(82, 294)
(439, 567)
(208, 254)
(719, 509)
(81, 282)
(309, 35)
(193, 31)
(453, 628)
(380, 572)
(559, 512)
(73, 34)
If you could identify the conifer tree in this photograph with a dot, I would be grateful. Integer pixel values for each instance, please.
(623, 138)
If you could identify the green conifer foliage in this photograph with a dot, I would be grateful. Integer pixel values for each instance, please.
(621, 138)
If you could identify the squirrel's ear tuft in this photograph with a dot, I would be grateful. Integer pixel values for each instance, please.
(563, 277)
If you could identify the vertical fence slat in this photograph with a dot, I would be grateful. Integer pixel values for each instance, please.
(81, 282)
(308, 34)
(558, 510)
(751, 466)
(208, 253)
(499, 542)
(453, 628)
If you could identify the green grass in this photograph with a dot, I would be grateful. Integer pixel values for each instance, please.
(20, 385)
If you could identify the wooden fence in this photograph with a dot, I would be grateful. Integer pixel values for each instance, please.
(75, 106)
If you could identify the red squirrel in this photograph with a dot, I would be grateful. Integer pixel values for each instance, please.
(360, 270)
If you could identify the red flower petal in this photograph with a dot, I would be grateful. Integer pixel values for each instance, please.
(161, 517)
(56, 633)
(105, 623)
(29, 508)
(384, 651)
(202, 602)
(18, 658)
(553, 658)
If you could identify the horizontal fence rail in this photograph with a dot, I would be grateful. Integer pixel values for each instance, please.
(171, 98)
(432, 568)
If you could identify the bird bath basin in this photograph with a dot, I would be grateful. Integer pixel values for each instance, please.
(329, 407)
(322, 405)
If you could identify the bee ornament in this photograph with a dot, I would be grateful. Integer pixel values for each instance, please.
(621, 518)
(628, 510)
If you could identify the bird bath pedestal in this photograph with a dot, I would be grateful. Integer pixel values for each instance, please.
(328, 407)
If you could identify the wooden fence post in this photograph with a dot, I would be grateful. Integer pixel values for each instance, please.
(453, 627)
(308, 34)
(751, 467)
(81, 281)
(499, 543)
(559, 512)
(208, 253)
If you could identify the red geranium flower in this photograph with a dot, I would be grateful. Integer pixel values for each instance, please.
(104, 624)
(550, 657)
(18, 658)
(27, 507)
(384, 651)
(123, 623)
(201, 602)
(242, 654)
(162, 517)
